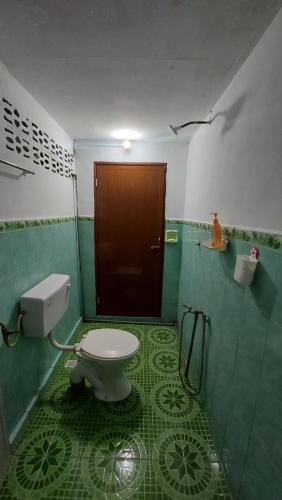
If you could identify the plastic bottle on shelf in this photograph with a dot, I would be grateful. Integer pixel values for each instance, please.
(216, 232)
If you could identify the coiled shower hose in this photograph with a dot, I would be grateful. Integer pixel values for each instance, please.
(205, 319)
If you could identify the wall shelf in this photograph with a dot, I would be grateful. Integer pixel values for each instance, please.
(208, 244)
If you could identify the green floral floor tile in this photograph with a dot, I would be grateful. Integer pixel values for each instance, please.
(156, 444)
(34, 476)
(170, 402)
(163, 362)
(58, 402)
(162, 336)
(113, 478)
(185, 465)
(137, 364)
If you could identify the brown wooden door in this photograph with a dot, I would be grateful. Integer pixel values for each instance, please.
(129, 238)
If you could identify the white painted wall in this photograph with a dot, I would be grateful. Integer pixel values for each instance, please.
(172, 153)
(45, 194)
(235, 165)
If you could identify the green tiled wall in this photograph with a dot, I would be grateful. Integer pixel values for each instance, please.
(172, 262)
(28, 255)
(87, 259)
(242, 383)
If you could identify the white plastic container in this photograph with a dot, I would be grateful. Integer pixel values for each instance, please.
(245, 269)
(44, 305)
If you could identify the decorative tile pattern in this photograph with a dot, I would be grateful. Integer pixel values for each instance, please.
(109, 475)
(117, 444)
(14, 225)
(255, 237)
(153, 445)
(184, 465)
(61, 403)
(162, 336)
(163, 362)
(42, 463)
(136, 365)
(170, 402)
(86, 218)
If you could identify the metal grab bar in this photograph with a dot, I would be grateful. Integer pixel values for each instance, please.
(10, 164)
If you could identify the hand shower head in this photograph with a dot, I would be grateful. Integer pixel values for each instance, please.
(174, 129)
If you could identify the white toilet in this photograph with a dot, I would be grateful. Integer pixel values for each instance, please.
(104, 353)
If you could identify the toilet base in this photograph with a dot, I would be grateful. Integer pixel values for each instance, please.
(120, 391)
(77, 388)
(108, 379)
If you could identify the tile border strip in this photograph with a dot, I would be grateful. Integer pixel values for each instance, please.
(85, 219)
(270, 240)
(256, 237)
(14, 225)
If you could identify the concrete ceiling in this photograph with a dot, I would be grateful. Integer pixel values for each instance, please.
(102, 65)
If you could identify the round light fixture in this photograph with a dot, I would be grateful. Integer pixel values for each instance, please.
(126, 144)
(126, 134)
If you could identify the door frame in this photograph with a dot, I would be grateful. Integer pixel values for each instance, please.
(162, 165)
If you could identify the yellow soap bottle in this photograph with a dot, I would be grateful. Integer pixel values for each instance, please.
(216, 233)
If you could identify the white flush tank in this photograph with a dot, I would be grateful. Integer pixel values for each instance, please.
(45, 304)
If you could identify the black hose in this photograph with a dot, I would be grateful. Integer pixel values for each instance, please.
(194, 122)
(187, 388)
(196, 316)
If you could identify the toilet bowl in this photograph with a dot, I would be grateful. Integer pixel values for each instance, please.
(104, 354)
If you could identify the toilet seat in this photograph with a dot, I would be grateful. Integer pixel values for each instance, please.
(109, 343)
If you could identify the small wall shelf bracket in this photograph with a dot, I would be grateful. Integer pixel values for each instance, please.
(209, 244)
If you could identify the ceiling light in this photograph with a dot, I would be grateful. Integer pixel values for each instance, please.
(124, 134)
(126, 144)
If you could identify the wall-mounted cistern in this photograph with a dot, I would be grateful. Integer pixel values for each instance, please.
(103, 354)
(44, 305)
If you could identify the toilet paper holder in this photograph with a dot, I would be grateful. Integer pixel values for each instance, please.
(245, 267)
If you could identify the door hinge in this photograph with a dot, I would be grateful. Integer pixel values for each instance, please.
(98, 300)
(96, 182)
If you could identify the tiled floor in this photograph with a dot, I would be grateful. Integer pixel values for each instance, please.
(154, 445)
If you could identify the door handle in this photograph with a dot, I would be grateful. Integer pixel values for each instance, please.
(155, 247)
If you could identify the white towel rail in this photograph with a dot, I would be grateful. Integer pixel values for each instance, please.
(24, 170)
